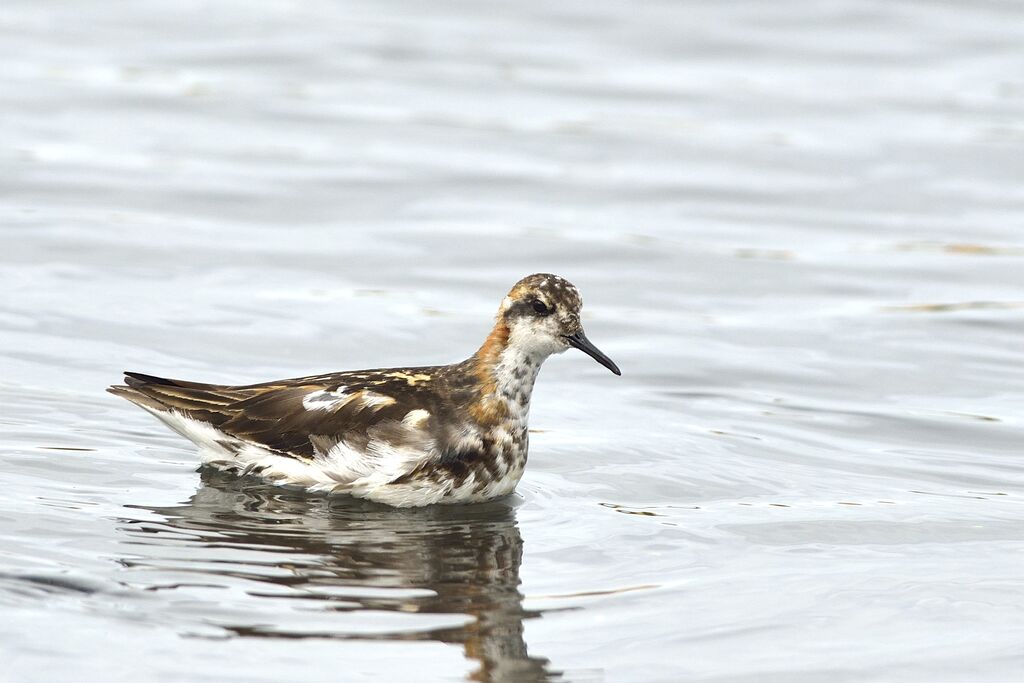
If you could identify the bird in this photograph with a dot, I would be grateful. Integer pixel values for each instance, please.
(405, 437)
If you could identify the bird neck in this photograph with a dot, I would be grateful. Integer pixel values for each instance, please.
(505, 375)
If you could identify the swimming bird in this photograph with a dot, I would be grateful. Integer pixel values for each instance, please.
(406, 437)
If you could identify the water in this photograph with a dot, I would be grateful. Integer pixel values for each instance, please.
(798, 231)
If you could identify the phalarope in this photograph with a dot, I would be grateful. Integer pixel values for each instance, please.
(406, 437)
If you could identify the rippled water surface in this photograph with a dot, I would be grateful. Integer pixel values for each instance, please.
(799, 230)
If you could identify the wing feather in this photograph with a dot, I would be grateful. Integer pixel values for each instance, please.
(353, 433)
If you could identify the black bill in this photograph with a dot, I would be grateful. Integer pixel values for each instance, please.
(580, 341)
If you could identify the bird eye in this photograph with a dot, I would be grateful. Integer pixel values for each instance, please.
(540, 308)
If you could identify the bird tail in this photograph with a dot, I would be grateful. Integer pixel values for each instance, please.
(159, 394)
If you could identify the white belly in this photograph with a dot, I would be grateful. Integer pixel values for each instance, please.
(334, 472)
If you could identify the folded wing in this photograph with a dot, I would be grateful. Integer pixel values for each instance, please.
(347, 431)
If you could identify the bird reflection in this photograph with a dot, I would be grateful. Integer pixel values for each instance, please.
(466, 557)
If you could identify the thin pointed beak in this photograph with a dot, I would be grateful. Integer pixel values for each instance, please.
(580, 341)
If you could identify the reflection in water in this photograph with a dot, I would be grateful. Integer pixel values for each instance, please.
(441, 560)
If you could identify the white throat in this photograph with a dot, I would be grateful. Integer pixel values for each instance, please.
(514, 376)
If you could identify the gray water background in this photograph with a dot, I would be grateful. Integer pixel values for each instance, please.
(798, 228)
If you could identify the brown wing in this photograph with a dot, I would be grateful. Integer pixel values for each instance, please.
(298, 417)
(203, 402)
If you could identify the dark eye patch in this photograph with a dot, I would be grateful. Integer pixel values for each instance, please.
(540, 307)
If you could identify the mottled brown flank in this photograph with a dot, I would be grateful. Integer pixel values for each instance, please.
(484, 463)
